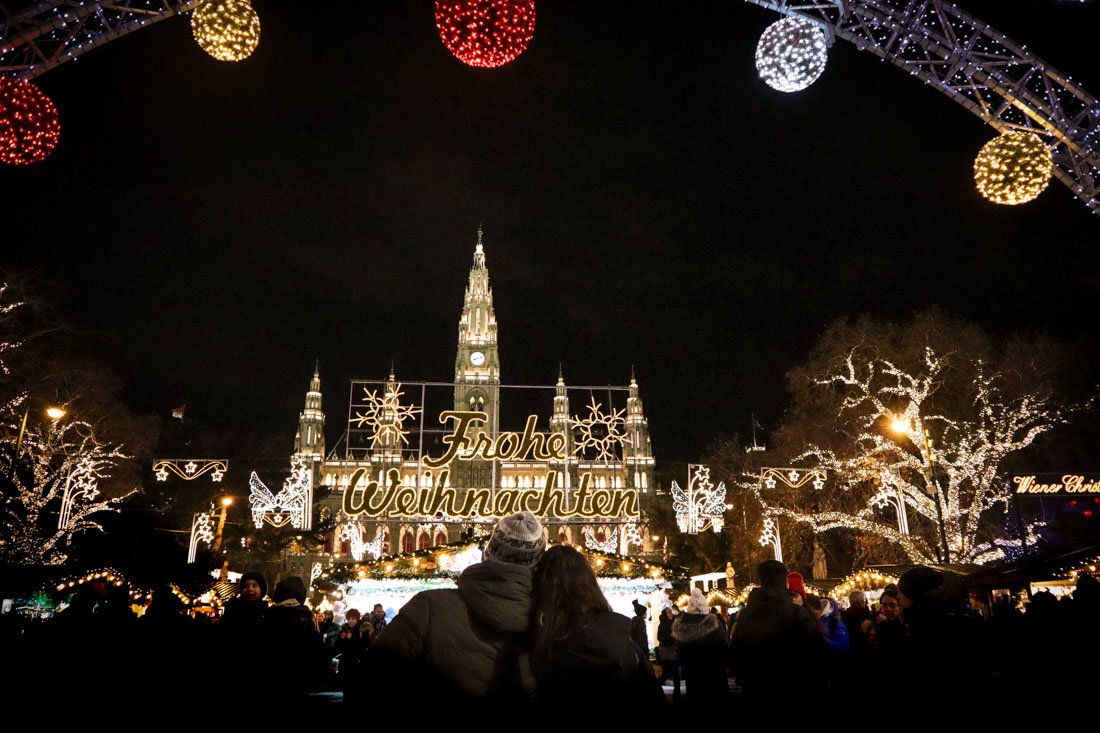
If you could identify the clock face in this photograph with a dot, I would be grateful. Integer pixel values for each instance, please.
(477, 358)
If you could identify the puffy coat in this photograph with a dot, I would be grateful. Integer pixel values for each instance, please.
(597, 662)
(463, 643)
(701, 646)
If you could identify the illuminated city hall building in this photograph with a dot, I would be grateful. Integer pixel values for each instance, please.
(422, 461)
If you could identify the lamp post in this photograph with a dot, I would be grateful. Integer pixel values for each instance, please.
(900, 425)
(53, 412)
(226, 502)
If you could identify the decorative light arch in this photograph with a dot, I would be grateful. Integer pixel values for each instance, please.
(997, 79)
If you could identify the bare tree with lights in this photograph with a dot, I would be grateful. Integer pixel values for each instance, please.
(917, 420)
(50, 469)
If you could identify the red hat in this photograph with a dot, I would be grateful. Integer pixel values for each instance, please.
(794, 582)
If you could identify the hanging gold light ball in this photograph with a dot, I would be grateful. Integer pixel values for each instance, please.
(228, 30)
(1013, 168)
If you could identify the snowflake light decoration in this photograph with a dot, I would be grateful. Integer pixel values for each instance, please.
(701, 505)
(386, 416)
(791, 54)
(600, 431)
(610, 545)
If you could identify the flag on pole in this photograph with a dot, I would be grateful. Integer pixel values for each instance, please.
(177, 412)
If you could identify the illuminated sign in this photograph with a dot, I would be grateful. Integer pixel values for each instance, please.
(1047, 484)
(468, 442)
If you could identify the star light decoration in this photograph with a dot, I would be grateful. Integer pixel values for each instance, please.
(791, 54)
(770, 536)
(29, 126)
(228, 30)
(632, 535)
(485, 33)
(82, 486)
(202, 530)
(701, 505)
(600, 431)
(191, 470)
(386, 416)
(292, 505)
(609, 546)
(1013, 168)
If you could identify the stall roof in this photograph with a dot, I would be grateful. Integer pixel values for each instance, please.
(1040, 566)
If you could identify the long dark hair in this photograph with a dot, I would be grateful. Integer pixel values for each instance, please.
(565, 590)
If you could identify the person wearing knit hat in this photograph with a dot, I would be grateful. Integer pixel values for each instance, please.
(247, 608)
(917, 584)
(451, 640)
(796, 583)
(701, 647)
(517, 539)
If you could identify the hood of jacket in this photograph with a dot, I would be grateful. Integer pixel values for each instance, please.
(689, 628)
(498, 594)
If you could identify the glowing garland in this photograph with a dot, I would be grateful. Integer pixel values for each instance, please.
(701, 505)
(107, 575)
(791, 54)
(29, 126)
(485, 33)
(228, 30)
(1013, 168)
(864, 580)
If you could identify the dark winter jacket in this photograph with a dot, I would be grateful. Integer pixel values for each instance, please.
(666, 645)
(778, 646)
(241, 614)
(292, 650)
(463, 643)
(701, 647)
(597, 663)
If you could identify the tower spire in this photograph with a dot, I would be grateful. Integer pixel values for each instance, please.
(310, 439)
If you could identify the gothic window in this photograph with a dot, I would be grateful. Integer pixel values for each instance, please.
(424, 541)
(584, 536)
(440, 537)
(385, 532)
(408, 539)
(563, 536)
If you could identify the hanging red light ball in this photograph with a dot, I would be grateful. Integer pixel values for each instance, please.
(485, 33)
(29, 127)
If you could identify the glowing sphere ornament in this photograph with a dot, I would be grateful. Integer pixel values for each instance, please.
(228, 30)
(791, 54)
(1013, 168)
(485, 33)
(29, 128)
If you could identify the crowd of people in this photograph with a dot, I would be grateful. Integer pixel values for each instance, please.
(530, 626)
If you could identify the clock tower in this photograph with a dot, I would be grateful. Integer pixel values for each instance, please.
(477, 365)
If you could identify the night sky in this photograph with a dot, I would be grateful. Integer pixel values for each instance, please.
(214, 228)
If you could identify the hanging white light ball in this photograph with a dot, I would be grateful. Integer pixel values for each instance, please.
(791, 54)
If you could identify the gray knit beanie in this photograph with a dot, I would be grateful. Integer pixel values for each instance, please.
(517, 539)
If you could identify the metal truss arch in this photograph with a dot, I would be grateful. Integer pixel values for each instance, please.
(991, 75)
(49, 33)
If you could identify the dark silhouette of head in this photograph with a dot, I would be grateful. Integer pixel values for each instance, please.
(772, 574)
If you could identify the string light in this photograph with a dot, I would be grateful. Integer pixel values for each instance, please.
(1013, 168)
(228, 30)
(791, 54)
(29, 126)
(485, 33)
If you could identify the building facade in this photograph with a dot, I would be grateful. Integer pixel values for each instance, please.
(588, 469)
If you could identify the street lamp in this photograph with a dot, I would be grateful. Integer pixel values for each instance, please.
(227, 501)
(932, 487)
(53, 412)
